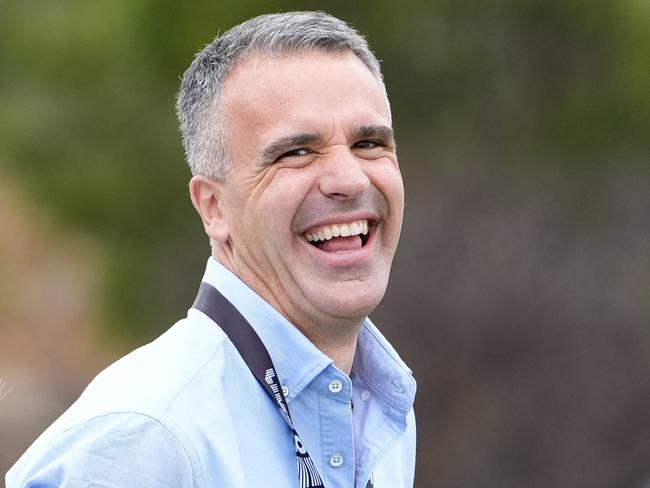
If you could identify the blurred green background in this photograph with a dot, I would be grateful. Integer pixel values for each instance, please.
(520, 294)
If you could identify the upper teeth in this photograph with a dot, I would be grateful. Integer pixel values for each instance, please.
(326, 232)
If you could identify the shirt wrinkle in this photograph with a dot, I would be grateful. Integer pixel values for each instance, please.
(195, 375)
(156, 421)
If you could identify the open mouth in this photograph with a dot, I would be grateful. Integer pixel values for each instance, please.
(349, 236)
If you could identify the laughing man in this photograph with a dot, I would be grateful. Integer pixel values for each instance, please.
(276, 377)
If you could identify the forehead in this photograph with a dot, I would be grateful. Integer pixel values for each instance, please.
(263, 66)
(303, 91)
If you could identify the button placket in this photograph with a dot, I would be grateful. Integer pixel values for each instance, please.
(337, 430)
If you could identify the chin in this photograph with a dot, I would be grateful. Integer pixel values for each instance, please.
(351, 300)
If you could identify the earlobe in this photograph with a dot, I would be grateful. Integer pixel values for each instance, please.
(207, 198)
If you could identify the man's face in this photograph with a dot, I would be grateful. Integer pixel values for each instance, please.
(313, 157)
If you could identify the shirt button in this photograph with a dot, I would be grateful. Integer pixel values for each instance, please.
(365, 395)
(335, 386)
(336, 460)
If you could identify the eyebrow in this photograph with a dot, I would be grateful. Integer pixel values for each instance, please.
(381, 132)
(284, 144)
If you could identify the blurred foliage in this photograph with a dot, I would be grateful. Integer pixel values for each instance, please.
(87, 109)
(523, 130)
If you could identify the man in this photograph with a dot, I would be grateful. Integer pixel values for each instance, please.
(287, 130)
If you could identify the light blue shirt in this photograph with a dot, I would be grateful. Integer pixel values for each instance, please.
(185, 411)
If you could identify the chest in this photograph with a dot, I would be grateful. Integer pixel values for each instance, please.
(241, 439)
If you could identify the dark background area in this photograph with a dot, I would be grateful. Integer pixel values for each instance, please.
(520, 295)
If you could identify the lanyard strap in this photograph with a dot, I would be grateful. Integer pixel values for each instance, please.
(257, 358)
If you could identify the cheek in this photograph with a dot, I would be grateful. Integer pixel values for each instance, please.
(266, 223)
(388, 180)
(282, 196)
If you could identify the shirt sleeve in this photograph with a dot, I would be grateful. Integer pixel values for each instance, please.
(112, 451)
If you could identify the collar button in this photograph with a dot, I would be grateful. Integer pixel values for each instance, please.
(335, 386)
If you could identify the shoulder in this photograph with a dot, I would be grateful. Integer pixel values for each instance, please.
(117, 449)
(151, 378)
(125, 423)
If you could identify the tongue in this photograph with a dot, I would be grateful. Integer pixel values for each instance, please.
(336, 244)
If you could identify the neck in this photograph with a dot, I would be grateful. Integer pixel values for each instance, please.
(337, 339)
(341, 352)
(334, 337)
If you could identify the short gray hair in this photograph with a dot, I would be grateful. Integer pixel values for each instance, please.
(199, 108)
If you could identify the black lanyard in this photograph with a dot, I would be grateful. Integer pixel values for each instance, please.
(257, 358)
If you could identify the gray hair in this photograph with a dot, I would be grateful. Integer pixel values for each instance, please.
(199, 107)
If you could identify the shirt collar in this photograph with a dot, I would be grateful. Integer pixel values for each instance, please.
(377, 363)
(297, 361)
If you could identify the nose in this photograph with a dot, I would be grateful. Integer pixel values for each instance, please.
(343, 176)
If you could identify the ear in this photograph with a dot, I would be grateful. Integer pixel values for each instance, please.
(207, 198)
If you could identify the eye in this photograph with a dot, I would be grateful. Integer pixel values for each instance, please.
(367, 145)
(369, 149)
(296, 153)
